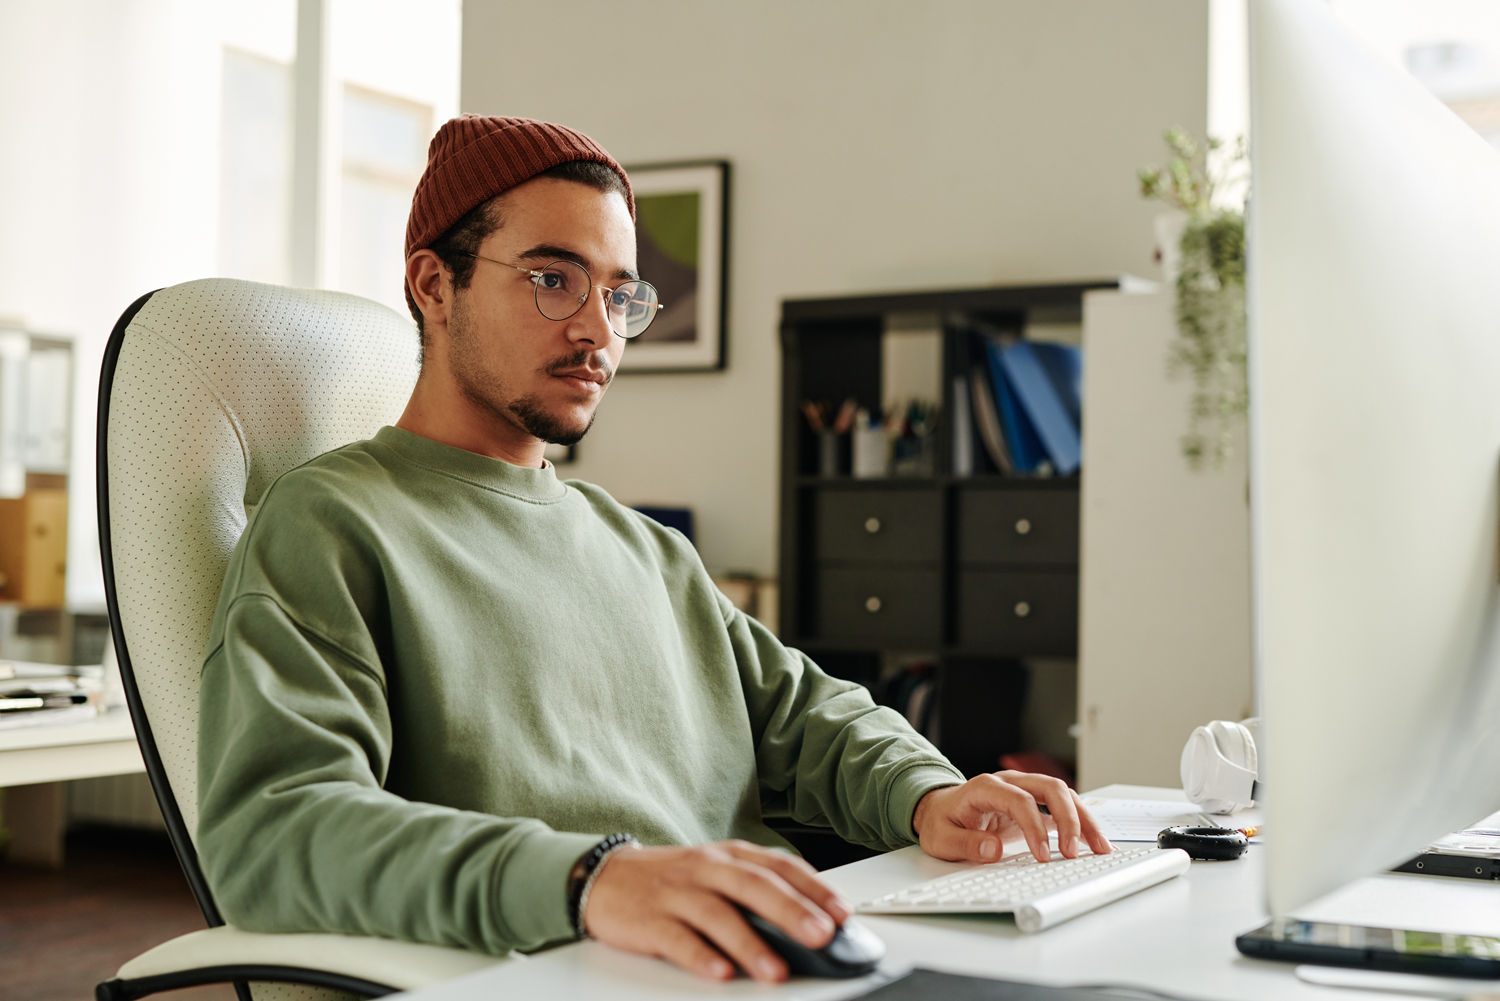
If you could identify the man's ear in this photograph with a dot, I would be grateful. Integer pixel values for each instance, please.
(431, 286)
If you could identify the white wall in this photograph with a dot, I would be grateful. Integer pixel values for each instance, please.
(1164, 630)
(109, 124)
(877, 145)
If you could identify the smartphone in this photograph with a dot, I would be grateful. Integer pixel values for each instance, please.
(1435, 953)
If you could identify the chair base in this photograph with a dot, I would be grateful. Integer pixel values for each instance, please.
(128, 990)
(370, 966)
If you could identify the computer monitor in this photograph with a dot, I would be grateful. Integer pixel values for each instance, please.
(1374, 271)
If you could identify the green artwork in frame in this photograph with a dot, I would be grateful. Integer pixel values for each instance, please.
(681, 243)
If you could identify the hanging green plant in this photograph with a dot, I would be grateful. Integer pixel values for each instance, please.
(1204, 180)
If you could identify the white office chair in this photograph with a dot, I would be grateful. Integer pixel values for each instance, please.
(210, 390)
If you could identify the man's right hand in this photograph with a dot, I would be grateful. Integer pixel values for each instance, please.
(674, 902)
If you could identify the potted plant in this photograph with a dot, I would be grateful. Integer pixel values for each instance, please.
(1206, 183)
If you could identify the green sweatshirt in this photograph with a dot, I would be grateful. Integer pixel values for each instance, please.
(435, 680)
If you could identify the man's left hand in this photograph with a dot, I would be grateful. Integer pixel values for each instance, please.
(969, 823)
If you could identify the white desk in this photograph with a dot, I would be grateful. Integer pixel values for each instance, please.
(1176, 937)
(105, 745)
(36, 760)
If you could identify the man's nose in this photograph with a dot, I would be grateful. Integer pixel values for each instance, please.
(591, 323)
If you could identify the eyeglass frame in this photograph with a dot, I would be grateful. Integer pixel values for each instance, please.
(537, 274)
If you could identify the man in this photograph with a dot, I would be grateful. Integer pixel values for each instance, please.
(439, 676)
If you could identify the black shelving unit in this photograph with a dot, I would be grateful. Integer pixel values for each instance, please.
(979, 570)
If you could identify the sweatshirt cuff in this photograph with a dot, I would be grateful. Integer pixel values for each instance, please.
(909, 788)
(534, 886)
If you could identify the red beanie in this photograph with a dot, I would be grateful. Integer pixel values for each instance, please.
(474, 158)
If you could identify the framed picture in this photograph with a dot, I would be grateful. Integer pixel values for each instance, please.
(682, 239)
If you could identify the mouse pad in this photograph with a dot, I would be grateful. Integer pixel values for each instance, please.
(921, 985)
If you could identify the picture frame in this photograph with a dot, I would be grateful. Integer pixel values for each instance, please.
(682, 234)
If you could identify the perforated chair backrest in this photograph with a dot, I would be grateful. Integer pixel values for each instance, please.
(210, 391)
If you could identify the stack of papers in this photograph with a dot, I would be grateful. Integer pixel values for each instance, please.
(45, 694)
(1144, 819)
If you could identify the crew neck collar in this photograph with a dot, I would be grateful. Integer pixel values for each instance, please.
(523, 482)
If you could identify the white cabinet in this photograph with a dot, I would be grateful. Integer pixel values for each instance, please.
(1165, 633)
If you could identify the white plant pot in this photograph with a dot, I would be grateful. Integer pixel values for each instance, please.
(1168, 227)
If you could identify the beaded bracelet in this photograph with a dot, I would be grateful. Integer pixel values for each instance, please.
(586, 871)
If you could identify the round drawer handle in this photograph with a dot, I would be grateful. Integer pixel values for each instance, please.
(872, 525)
(1023, 609)
(872, 604)
(1023, 526)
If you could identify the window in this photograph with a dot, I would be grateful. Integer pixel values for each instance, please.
(255, 169)
(385, 152)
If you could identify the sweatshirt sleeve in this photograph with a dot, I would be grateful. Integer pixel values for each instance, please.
(296, 833)
(826, 754)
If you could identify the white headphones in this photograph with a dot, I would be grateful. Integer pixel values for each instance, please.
(1220, 766)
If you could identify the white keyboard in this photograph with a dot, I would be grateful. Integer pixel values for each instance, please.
(1040, 894)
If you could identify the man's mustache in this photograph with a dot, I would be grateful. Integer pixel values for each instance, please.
(582, 359)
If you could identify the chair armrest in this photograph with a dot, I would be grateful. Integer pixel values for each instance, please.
(402, 965)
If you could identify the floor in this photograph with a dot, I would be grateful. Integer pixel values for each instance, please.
(62, 932)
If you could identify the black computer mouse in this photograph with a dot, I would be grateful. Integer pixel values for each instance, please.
(1214, 844)
(854, 950)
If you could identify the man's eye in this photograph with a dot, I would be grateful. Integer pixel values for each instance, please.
(550, 280)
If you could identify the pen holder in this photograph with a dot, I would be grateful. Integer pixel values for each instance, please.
(828, 454)
(914, 456)
(870, 453)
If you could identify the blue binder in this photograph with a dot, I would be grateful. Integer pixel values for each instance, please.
(1043, 405)
(1064, 365)
(1026, 449)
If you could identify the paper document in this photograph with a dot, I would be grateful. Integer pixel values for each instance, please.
(28, 669)
(48, 717)
(1144, 819)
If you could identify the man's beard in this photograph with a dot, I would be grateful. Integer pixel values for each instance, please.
(485, 390)
(527, 414)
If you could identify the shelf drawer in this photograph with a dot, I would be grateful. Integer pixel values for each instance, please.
(880, 525)
(1016, 613)
(880, 604)
(1018, 526)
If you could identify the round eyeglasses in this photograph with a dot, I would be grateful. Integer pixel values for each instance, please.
(562, 289)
